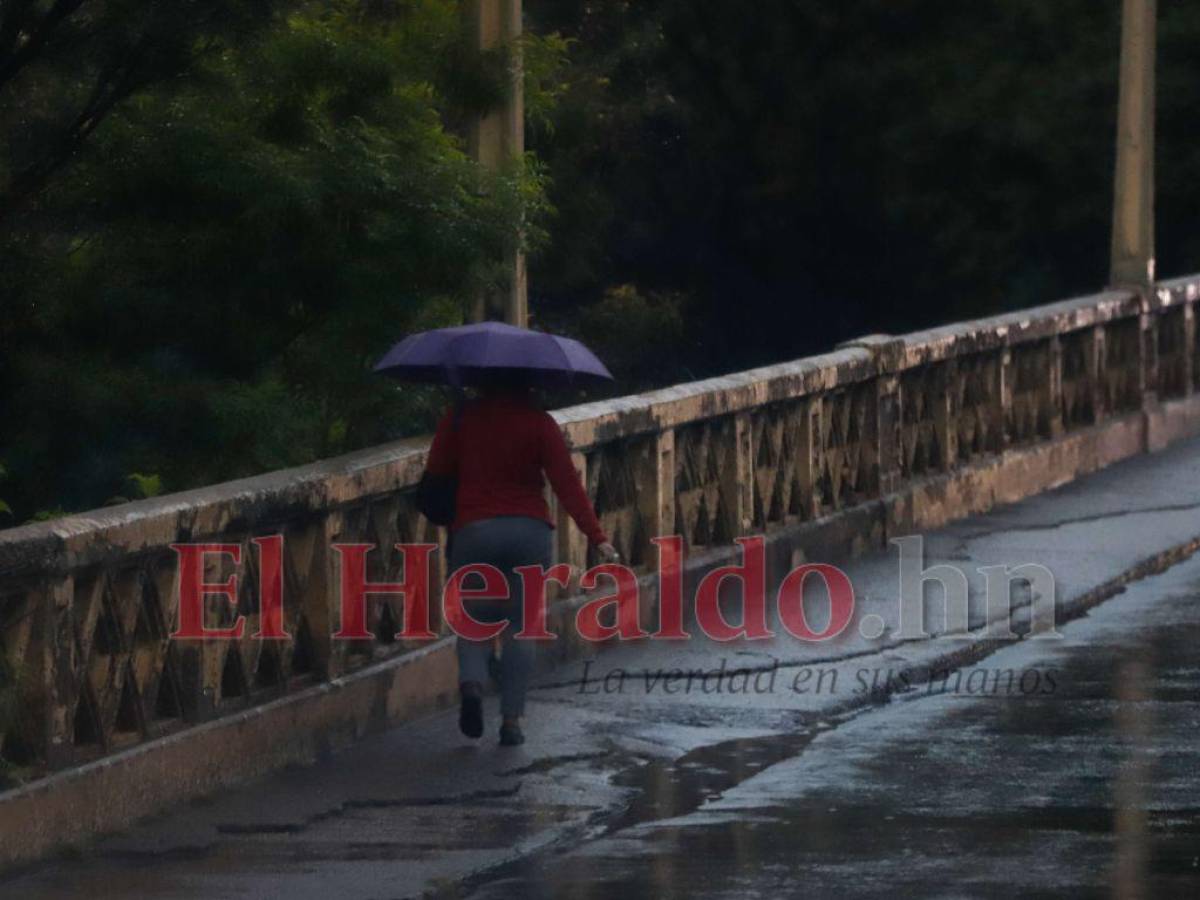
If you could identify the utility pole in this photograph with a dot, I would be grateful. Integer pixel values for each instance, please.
(1133, 195)
(499, 137)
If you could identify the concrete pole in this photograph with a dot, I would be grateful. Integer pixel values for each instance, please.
(1133, 198)
(499, 136)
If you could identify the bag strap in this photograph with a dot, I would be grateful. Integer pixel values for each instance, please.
(460, 403)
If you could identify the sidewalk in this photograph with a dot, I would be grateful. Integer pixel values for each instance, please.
(422, 809)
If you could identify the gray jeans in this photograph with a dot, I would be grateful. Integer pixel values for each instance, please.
(505, 542)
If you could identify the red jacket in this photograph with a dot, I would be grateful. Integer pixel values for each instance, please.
(499, 450)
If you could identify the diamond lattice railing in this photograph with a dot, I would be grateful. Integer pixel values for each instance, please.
(87, 604)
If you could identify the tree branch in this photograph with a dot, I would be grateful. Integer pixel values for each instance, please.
(15, 58)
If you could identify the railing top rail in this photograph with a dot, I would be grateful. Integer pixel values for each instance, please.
(1178, 290)
(145, 524)
(152, 524)
(1020, 326)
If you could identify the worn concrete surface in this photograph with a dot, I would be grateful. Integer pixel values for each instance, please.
(421, 809)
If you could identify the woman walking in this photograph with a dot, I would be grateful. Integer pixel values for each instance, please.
(499, 446)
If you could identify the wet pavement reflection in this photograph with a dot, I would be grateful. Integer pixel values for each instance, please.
(1088, 789)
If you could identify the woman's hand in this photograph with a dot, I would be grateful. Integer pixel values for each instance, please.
(607, 553)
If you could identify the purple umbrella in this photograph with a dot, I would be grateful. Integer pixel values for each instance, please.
(469, 353)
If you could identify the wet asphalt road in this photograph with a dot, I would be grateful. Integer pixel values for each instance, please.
(1085, 782)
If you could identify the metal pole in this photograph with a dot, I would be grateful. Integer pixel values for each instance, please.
(1133, 195)
(499, 137)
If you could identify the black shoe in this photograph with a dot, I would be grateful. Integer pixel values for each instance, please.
(511, 735)
(470, 715)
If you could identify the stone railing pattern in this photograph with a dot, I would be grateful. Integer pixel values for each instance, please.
(87, 602)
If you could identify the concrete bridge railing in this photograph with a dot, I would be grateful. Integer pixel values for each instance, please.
(87, 601)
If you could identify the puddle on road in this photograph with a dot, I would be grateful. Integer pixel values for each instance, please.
(670, 788)
(1091, 791)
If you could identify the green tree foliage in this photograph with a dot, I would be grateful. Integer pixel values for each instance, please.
(211, 222)
(65, 65)
(231, 251)
(637, 334)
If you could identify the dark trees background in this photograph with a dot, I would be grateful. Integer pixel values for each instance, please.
(198, 291)
(215, 213)
(803, 172)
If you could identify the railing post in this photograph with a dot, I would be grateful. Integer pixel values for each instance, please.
(656, 490)
(943, 415)
(200, 661)
(656, 508)
(1095, 371)
(191, 688)
(887, 412)
(1004, 398)
(1052, 390)
(45, 666)
(887, 355)
(59, 634)
(323, 598)
(572, 549)
(572, 543)
(737, 480)
(809, 442)
(1148, 351)
(1188, 324)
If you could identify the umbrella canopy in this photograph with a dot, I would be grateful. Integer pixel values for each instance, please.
(469, 354)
